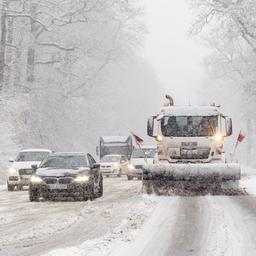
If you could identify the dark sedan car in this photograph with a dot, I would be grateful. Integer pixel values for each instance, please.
(66, 174)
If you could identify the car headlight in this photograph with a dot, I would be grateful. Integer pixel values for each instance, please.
(35, 179)
(12, 171)
(159, 138)
(130, 167)
(116, 165)
(81, 179)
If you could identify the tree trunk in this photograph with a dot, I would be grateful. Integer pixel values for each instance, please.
(3, 43)
(9, 57)
(31, 49)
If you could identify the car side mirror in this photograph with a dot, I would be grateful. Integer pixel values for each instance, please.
(96, 166)
(229, 129)
(11, 160)
(150, 126)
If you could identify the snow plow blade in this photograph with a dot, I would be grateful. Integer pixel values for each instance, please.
(189, 179)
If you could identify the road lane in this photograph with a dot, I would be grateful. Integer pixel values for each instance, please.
(193, 226)
(34, 228)
(199, 226)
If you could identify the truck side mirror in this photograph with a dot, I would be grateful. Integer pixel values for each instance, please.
(229, 129)
(150, 126)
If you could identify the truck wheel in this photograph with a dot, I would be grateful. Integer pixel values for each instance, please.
(33, 195)
(129, 177)
(10, 187)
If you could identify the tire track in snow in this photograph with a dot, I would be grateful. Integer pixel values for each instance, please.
(189, 230)
(33, 228)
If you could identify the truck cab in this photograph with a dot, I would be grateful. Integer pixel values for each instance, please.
(190, 134)
(111, 145)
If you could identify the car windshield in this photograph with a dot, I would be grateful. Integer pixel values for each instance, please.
(110, 158)
(189, 126)
(64, 162)
(145, 152)
(31, 156)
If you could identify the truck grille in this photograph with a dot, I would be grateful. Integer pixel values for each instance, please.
(199, 153)
(25, 171)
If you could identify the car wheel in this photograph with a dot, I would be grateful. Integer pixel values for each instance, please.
(10, 187)
(89, 193)
(129, 177)
(92, 193)
(100, 193)
(19, 187)
(33, 195)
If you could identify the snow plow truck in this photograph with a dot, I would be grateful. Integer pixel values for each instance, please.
(190, 156)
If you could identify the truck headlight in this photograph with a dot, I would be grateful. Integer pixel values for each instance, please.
(12, 171)
(81, 179)
(35, 179)
(130, 167)
(218, 137)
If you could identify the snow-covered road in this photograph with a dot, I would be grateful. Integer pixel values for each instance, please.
(125, 222)
(34, 228)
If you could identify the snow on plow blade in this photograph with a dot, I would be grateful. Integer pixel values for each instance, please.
(191, 178)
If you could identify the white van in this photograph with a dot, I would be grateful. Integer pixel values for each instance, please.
(140, 157)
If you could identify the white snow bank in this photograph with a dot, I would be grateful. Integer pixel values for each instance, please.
(2, 187)
(248, 171)
(153, 232)
(248, 181)
(249, 184)
(120, 237)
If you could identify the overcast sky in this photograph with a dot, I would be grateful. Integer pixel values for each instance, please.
(175, 56)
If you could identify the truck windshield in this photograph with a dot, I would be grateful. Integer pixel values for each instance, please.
(64, 162)
(147, 152)
(111, 150)
(110, 158)
(189, 126)
(31, 156)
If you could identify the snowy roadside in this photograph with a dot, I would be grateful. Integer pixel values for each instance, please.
(248, 180)
(2, 187)
(120, 237)
(249, 184)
